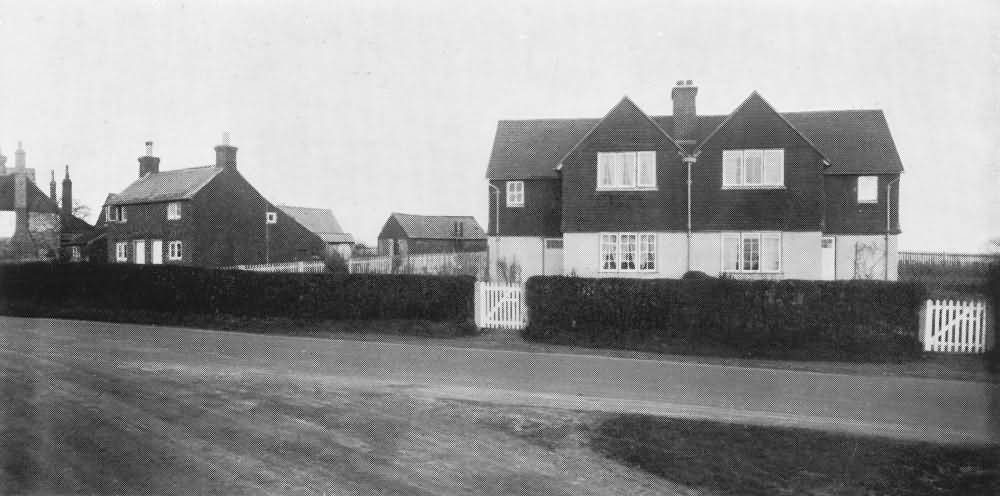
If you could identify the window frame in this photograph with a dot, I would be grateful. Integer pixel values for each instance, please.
(175, 250)
(615, 166)
(639, 247)
(174, 211)
(741, 256)
(121, 251)
(857, 187)
(740, 154)
(512, 197)
(120, 214)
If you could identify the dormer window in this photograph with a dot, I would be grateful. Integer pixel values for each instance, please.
(626, 170)
(748, 169)
(116, 213)
(174, 211)
(515, 193)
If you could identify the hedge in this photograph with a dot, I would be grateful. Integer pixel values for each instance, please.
(163, 288)
(773, 319)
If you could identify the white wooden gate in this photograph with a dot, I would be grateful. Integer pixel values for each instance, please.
(499, 306)
(957, 326)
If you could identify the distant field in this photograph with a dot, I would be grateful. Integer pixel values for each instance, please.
(946, 280)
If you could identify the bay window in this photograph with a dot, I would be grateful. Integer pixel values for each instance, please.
(751, 252)
(628, 252)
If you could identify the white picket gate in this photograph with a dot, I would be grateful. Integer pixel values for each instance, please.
(499, 306)
(957, 326)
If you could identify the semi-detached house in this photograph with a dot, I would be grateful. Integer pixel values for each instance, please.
(754, 194)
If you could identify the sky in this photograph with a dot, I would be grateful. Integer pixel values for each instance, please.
(373, 107)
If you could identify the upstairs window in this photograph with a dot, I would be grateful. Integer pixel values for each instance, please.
(173, 211)
(626, 170)
(515, 193)
(751, 252)
(116, 213)
(753, 168)
(868, 189)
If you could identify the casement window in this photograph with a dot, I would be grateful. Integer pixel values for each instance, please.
(515, 193)
(867, 189)
(751, 252)
(753, 168)
(628, 252)
(626, 170)
(75, 254)
(173, 211)
(175, 250)
(116, 213)
(121, 251)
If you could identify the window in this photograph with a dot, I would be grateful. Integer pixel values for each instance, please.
(753, 168)
(553, 244)
(75, 254)
(626, 170)
(751, 252)
(868, 189)
(173, 211)
(628, 252)
(271, 217)
(175, 250)
(121, 251)
(515, 193)
(115, 213)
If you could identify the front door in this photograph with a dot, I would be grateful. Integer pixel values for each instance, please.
(828, 258)
(553, 265)
(140, 251)
(156, 252)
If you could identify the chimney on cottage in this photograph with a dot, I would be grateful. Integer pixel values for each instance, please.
(148, 164)
(685, 116)
(3, 164)
(52, 187)
(19, 158)
(225, 154)
(67, 195)
(21, 205)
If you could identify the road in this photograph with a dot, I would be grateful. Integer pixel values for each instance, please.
(202, 380)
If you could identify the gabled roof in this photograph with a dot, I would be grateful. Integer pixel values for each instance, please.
(320, 221)
(854, 141)
(76, 225)
(437, 226)
(37, 201)
(178, 184)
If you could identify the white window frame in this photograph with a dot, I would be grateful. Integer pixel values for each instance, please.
(640, 247)
(741, 255)
(174, 211)
(874, 189)
(624, 171)
(75, 253)
(121, 251)
(175, 250)
(271, 217)
(116, 213)
(515, 193)
(773, 156)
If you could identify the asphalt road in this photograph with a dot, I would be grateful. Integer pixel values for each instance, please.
(925, 409)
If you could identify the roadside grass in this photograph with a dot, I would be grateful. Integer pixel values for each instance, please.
(755, 460)
(224, 322)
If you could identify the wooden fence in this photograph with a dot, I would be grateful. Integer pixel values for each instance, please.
(500, 306)
(313, 267)
(957, 326)
(468, 263)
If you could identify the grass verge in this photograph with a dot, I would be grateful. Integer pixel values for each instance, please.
(271, 325)
(755, 460)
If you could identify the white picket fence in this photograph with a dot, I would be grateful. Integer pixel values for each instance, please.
(500, 306)
(957, 326)
(313, 267)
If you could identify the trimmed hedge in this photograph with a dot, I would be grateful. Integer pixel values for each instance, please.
(852, 320)
(163, 288)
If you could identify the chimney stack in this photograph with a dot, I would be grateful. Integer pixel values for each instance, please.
(685, 116)
(67, 195)
(3, 164)
(148, 164)
(225, 154)
(19, 158)
(52, 188)
(21, 204)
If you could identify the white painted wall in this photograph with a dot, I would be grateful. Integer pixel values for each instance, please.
(527, 251)
(873, 266)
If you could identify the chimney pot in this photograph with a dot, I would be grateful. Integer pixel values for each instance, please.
(149, 164)
(149, 148)
(19, 160)
(225, 154)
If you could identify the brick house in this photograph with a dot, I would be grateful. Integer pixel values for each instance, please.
(753, 194)
(204, 216)
(404, 234)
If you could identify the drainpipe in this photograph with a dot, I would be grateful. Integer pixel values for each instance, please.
(689, 160)
(496, 194)
(888, 224)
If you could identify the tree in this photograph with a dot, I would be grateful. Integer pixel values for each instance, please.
(81, 209)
